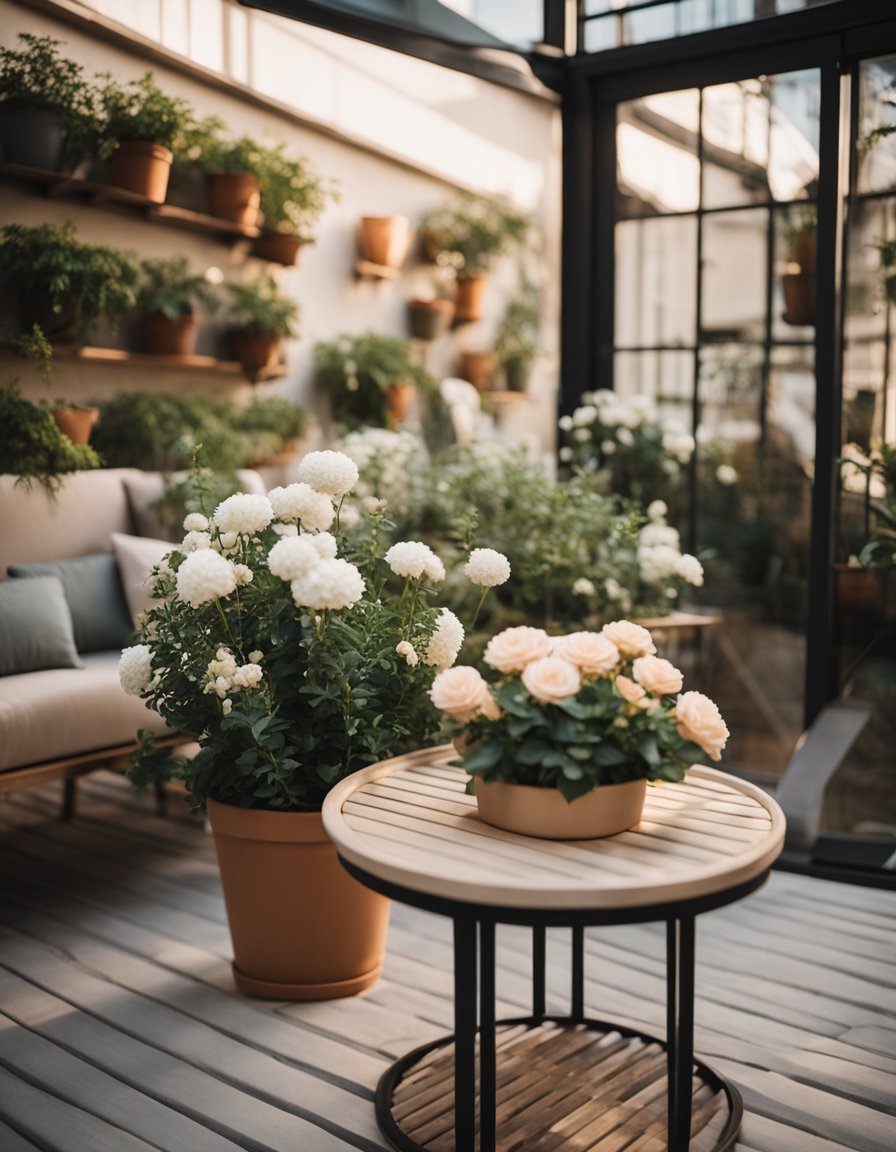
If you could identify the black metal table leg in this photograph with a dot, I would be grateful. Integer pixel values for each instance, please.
(487, 1053)
(577, 1011)
(464, 1032)
(538, 972)
(680, 957)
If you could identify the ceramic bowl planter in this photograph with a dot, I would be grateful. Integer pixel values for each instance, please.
(385, 240)
(76, 423)
(142, 167)
(164, 337)
(430, 318)
(469, 299)
(545, 812)
(234, 196)
(278, 248)
(301, 927)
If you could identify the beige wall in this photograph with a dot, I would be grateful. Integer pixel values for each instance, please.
(370, 162)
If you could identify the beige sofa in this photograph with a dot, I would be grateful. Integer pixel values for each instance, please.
(63, 711)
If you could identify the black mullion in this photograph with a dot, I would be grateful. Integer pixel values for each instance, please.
(693, 468)
(602, 362)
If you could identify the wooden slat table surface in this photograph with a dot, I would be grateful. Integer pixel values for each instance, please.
(409, 821)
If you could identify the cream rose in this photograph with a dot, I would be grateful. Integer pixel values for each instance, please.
(630, 639)
(592, 652)
(551, 679)
(462, 693)
(699, 720)
(514, 648)
(629, 691)
(660, 677)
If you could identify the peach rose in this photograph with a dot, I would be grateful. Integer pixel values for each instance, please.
(629, 691)
(462, 693)
(551, 679)
(514, 648)
(590, 651)
(630, 639)
(699, 720)
(660, 677)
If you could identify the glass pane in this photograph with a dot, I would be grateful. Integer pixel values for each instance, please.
(656, 282)
(658, 170)
(667, 377)
(866, 297)
(734, 275)
(876, 145)
(795, 106)
(735, 144)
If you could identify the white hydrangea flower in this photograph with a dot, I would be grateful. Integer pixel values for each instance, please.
(565, 423)
(406, 649)
(690, 570)
(657, 510)
(244, 513)
(247, 676)
(487, 568)
(227, 541)
(195, 522)
(657, 564)
(204, 575)
(626, 437)
(446, 640)
(583, 587)
(194, 540)
(302, 502)
(325, 545)
(243, 575)
(435, 569)
(256, 657)
(285, 529)
(655, 535)
(726, 475)
(584, 416)
(410, 558)
(566, 455)
(293, 556)
(224, 664)
(582, 435)
(330, 472)
(135, 669)
(331, 584)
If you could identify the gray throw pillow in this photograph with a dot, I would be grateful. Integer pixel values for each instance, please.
(35, 626)
(100, 616)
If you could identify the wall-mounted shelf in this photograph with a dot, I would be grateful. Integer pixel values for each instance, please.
(57, 186)
(367, 270)
(117, 356)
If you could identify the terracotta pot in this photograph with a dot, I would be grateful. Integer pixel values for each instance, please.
(805, 249)
(278, 247)
(477, 367)
(164, 337)
(33, 136)
(385, 239)
(858, 590)
(545, 813)
(301, 927)
(143, 167)
(255, 350)
(430, 318)
(400, 398)
(799, 299)
(469, 298)
(76, 423)
(234, 196)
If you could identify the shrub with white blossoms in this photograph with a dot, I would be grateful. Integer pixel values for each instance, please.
(290, 663)
(576, 711)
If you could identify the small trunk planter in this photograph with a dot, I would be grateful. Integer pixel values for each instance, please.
(142, 167)
(234, 196)
(164, 337)
(278, 248)
(385, 240)
(545, 812)
(430, 318)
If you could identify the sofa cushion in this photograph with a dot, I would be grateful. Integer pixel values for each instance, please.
(35, 627)
(145, 489)
(57, 713)
(93, 590)
(136, 557)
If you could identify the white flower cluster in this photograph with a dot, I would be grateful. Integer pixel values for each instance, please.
(618, 417)
(328, 585)
(224, 675)
(388, 463)
(330, 472)
(135, 669)
(412, 559)
(446, 640)
(205, 575)
(302, 503)
(487, 568)
(659, 552)
(245, 514)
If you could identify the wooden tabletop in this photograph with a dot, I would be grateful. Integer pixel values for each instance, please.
(408, 821)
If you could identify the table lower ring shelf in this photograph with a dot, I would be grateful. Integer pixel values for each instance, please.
(591, 1084)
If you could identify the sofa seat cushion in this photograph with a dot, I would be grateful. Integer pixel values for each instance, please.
(61, 712)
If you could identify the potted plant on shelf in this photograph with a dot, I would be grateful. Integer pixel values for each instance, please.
(229, 166)
(292, 198)
(469, 235)
(64, 286)
(298, 662)
(47, 108)
(516, 342)
(273, 427)
(887, 253)
(384, 240)
(166, 298)
(141, 126)
(32, 445)
(369, 379)
(430, 317)
(261, 316)
(798, 282)
(562, 734)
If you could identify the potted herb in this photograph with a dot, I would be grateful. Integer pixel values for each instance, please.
(166, 296)
(261, 316)
(469, 235)
(33, 447)
(64, 286)
(430, 317)
(273, 427)
(516, 342)
(47, 108)
(298, 661)
(798, 282)
(385, 240)
(369, 379)
(292, 199)
(141, 127)
(230, 167)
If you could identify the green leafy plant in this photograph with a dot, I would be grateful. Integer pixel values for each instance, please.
(577, 711)
(470, 234)
(516, 341)
(262, 308)
(169, 287)
(49, 263)
(141, 110)
(357, 373)
(31, 445)
(296, 659)
(874, 477)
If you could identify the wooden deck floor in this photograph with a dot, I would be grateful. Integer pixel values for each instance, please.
(120, 1030)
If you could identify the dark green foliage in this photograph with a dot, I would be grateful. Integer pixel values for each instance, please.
(32, 446)
(356, 372)
(262, 308)
(169, 287)
(141, 110)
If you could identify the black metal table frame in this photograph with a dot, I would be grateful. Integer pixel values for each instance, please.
(474, 972)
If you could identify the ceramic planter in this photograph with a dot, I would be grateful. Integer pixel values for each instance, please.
(33, 136)
(799, 298)
(477, 367)
(301, 927)
(255, 350)
(545, 813)
(469, 299)
(142, 167)
(430, 318)
(164, 337)
(517, 375)
(385, 240)
(76, 423)
(234, 196)
(278, 247)
(400, 398)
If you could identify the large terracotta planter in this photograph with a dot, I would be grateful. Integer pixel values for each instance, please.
(76, 423)
(301, 927)
(469, 299)
(234, 196)
(278, 247)
(143, 167)
(545, 813)
(164, 337)
(385, 240)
